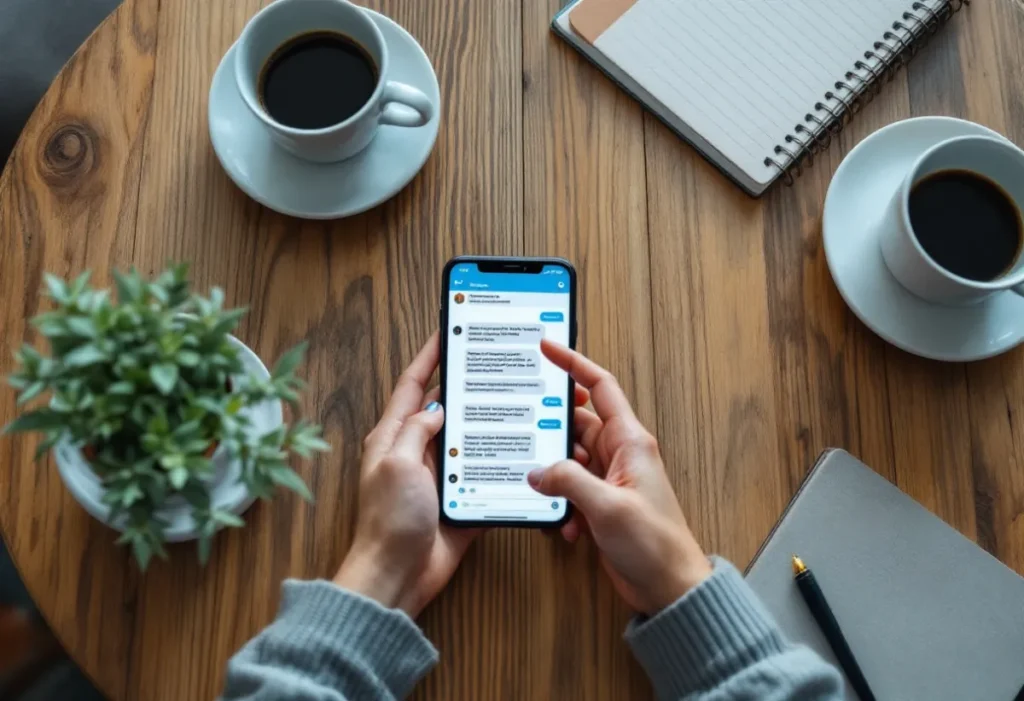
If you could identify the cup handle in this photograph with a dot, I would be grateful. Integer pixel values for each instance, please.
(405, 106)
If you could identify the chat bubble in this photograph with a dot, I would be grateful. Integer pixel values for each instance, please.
(498, 413)
(527, 334)
(552, 401)
(504, 386)
(549, 424)
(503, 362)
(483, 298)
(552, 316)
(498, 446)
(498, 473)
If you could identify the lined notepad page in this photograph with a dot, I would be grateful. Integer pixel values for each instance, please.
(744, 73)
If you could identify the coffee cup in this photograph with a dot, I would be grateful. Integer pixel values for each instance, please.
(955, 228)
(315, 73)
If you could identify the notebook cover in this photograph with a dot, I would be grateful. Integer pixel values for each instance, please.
(591, 18)
(927, 613)
(632, 89)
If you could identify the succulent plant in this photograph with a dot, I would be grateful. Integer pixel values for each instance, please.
(148, 387)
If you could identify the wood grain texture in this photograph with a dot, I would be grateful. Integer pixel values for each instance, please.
(716, 311)
(585, 199)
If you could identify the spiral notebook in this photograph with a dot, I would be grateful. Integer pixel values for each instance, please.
(757, 86)
(927, 613)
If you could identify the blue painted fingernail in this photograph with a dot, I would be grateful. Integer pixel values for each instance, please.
(433, 406)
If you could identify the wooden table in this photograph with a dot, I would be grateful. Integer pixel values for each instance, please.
(716, 311)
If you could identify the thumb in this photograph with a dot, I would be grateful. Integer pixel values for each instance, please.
(576, 483)
(417, 431)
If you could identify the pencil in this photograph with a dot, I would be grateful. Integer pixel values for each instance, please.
(819, 607)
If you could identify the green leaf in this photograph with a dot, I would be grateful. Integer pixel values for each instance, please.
(122, 388)
(38, 420)
(228, 519)
(52, 329)
(131, 494)
(44, 447)
(78, 286)
(286, 477)
(234, 406)
(129, 286)
(57, 288)
(178, 476)
(31, 392)
(172, 461)
(159, 293)
(187, 429)
(188, 359)
(290, 361)
(273, 438)
(142, 550)
(307, 445)
(83, 356)
(164, 376)
(81, 326)
(227, 321)
(197, 496)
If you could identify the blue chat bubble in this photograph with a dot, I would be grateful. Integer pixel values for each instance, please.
(552, 401)
(549, 423)
(552, 316)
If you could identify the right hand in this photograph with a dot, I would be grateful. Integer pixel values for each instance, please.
(623, 496)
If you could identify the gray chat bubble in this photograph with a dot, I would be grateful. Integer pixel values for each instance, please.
(527, 334)
(498, 473)
(498, 413)
(518, 363)
(504, 386)
(477, 298)
(498, 446)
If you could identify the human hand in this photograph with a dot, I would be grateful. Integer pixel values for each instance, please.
(622, 495)
(401, 556)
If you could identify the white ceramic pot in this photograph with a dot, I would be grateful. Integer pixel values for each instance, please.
(227, 492)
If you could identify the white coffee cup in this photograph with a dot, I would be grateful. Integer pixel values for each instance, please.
(994, 159)
(391, 103)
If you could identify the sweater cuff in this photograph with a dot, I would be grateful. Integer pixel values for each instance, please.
(709, 634)
(324, 620)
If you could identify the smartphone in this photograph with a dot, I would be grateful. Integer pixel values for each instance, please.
(508, 410)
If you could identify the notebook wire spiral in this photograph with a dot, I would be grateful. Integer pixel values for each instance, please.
(859, 86)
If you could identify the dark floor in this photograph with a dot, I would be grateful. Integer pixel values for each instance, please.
(36, 38)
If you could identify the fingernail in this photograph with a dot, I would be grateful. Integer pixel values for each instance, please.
(433, 406)
(535, 476)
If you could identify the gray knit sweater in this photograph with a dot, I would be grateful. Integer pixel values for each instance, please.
(715, 643)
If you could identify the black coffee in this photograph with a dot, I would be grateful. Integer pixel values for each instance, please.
(966, 223)
(317, 80)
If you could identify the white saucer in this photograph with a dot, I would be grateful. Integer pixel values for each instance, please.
(858, 196)
(284, 183)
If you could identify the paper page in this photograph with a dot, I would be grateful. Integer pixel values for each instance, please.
(745, 73)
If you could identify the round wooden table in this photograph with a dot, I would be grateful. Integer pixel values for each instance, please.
(716, 311)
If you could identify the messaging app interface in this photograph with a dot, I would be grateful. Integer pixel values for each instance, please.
(506, 405)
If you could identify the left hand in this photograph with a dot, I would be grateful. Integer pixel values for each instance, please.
(401, 555)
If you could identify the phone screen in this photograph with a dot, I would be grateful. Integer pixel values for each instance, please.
(506, 406)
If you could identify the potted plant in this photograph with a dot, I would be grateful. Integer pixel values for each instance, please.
(164, 426)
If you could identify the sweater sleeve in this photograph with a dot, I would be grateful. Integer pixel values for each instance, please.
(329, 644)
(718, 643)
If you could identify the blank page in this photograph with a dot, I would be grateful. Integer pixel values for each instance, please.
(744, 73)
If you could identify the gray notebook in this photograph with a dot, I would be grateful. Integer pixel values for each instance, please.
(928, 614)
